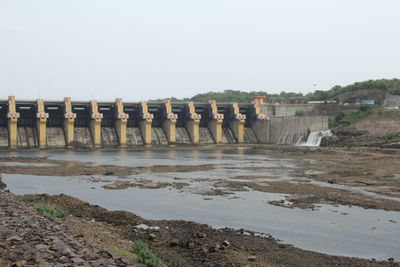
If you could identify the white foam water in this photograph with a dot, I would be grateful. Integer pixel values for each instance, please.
(315, 138)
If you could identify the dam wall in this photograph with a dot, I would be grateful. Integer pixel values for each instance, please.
(310, 109)
(294, 129)
(75, 124)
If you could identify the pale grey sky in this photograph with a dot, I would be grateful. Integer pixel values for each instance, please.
(154, 49)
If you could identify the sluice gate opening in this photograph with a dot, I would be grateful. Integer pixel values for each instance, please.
(205, 136)
(249, 135)
(55, 135)
(227, 134)
(109, 136)
(182, 111)
(133, 135)
(27, 136)
(3, 125)
(158, 135)
(82, 133)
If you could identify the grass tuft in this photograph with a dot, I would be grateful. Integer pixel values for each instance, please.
(393, 136)
(51, 211)
(121, 252)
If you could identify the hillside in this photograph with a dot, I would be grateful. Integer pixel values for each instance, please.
(382, 86)
(391, 86)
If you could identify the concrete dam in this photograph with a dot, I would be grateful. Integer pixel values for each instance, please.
(70, 124)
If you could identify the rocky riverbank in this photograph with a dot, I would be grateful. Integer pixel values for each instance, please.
(29, 238)
(92, 236)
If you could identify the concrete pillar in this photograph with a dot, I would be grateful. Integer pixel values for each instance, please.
(95, 124)
(69, 120)
(215, 124)
(42, 117)
(237, 123)
(12, 116)
(192, 123)
(260, 121)
(120, 122)
(169, 124)
(145, 123)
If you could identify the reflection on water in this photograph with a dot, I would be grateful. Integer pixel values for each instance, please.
(337, 230)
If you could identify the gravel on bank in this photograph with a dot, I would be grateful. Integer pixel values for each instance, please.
(29, 238)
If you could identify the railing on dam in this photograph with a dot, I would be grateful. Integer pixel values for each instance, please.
(69, 124)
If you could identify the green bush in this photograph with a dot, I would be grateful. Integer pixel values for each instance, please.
(144, 254)
(51, 211)
(300, 113)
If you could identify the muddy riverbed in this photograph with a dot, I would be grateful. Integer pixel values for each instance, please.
(337, 201)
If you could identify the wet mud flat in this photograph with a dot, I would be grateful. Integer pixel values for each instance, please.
(313, 199)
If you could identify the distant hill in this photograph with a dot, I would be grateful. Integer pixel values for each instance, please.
(391, 86)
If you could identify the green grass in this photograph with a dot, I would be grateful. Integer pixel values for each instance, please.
(392, 136)
(20, 197)
(121, 252)
(344, 119)
(145, 255)
(51, 211)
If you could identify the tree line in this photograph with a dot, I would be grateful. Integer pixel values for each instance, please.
(391, 86)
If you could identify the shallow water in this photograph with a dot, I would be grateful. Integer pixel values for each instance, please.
(337, 230)
(29, 164)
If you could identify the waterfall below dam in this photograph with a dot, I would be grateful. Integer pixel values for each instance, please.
(27, 137)
(182, 136)
(158, 136)
(205, 136)
(109, 137)
(314, 138)
(3, 137)
(303, 137)
(55, 137)
(133, 137)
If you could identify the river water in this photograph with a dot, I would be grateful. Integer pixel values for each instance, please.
(331, 229)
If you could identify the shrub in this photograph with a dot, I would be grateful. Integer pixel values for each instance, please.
(144, 254)
(300, 113)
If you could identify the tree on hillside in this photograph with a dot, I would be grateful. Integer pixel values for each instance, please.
(390, 86)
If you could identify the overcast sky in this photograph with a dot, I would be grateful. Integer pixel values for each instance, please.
(154, 49)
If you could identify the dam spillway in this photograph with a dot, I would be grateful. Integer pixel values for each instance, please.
(70, 124)
(77, 124)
